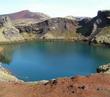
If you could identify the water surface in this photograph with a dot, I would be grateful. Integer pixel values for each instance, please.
(47, 60)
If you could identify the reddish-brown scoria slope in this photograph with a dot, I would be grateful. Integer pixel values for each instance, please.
(97, 85)
(26, 14)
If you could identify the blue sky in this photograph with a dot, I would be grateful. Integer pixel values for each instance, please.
(56, 8)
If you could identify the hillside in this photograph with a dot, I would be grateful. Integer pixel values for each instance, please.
(26, 25)
(26, 16)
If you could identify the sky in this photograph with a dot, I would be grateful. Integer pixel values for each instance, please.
(56, 8)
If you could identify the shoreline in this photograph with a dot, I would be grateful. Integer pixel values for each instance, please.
(97, 85)
(47, 40)
(53, 40)
(103, 69)
(94, 85)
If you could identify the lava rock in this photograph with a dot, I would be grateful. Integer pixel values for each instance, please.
(104, 69)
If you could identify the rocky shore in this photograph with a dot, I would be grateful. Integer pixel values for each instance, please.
(96, 85)
(6, 76)
(104, 69)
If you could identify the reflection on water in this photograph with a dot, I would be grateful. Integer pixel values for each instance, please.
(7, 54)
(46, 60)
(4, 59)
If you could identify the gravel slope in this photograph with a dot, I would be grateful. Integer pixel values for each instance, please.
(97, 85)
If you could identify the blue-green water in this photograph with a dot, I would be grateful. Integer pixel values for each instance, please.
(47, 60)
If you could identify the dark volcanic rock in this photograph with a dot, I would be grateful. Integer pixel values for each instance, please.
(104, 69)
(8, 29)
(91, 28)
(55, 24)
(1, 22)
(101, 21)
(102, 18)
(5, 21)
(84, 26)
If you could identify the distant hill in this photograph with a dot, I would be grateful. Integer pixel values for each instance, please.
(26, 16)
(75, 18)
